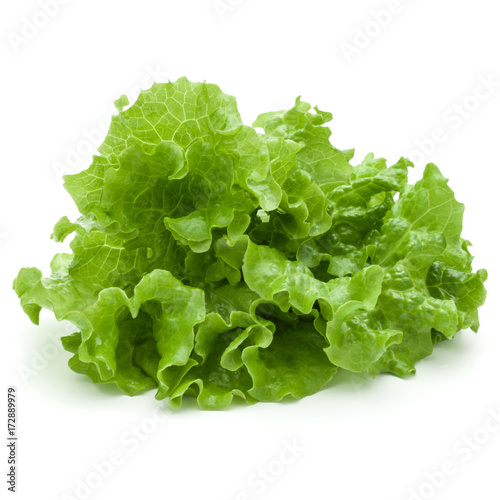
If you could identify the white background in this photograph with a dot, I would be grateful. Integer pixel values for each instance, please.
(358, 439)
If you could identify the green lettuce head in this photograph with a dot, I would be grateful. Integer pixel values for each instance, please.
(214, 260)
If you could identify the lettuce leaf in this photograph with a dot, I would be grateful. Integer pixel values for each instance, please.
(213, 259)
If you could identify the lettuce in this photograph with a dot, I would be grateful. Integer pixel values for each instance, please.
(216, 261)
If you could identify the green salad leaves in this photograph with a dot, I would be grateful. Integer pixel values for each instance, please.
(213, 259)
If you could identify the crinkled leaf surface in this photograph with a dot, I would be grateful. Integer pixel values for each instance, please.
(213, 260)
